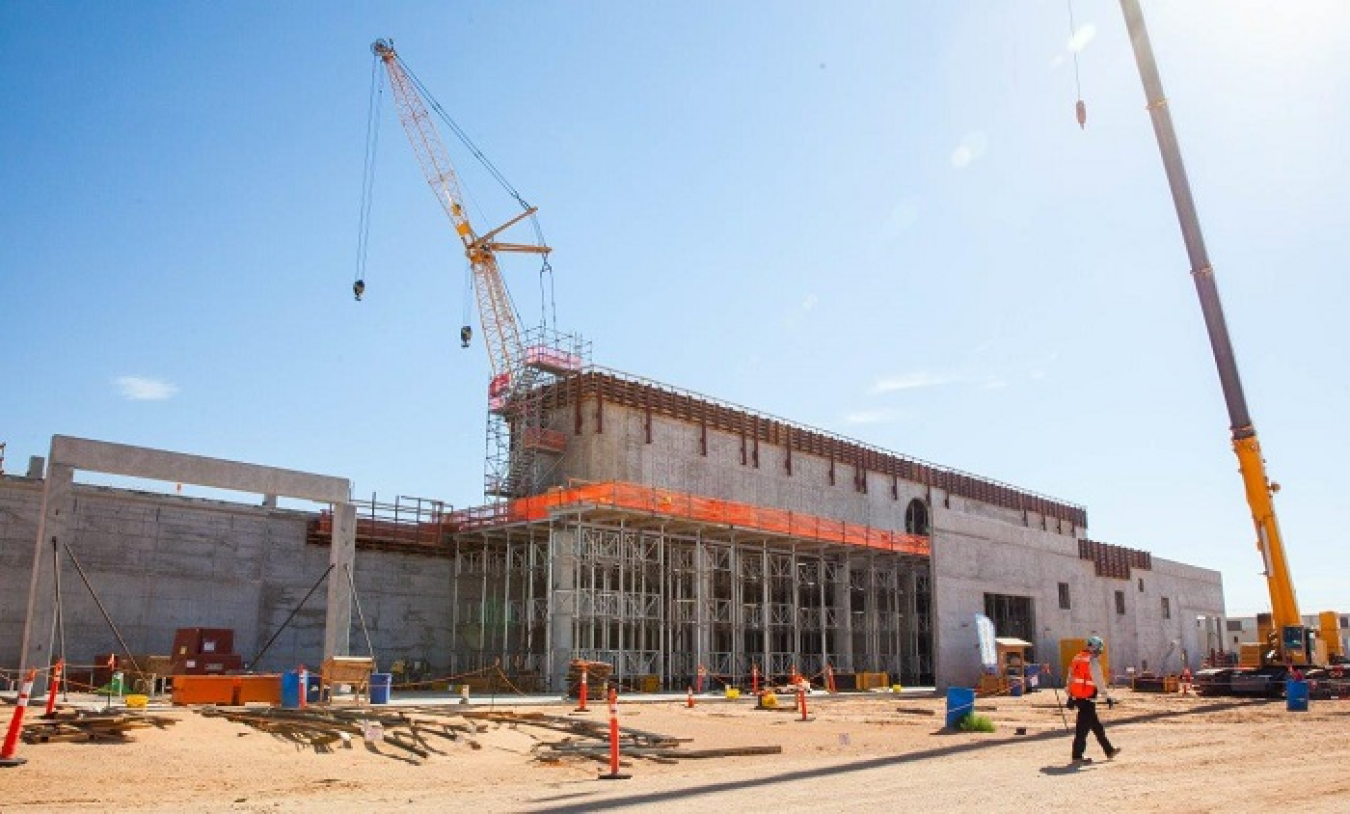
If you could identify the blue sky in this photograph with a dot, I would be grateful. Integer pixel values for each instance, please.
(880, 219)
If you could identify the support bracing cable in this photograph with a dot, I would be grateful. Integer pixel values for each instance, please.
(368, 174)
(356, 600)
(60, 616)
(103, 610)
(265, 648)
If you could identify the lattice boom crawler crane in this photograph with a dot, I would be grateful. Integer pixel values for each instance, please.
(519, 367)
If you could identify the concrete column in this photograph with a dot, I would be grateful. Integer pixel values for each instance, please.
(562, 605)
(843, 609)
(342, 556)
(39, 630)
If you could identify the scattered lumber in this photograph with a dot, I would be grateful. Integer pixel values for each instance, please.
(412, 730)
(66, 726)
(322, 727)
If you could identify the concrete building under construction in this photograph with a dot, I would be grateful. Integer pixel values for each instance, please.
(651, 528)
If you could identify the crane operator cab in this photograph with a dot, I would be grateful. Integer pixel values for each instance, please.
(1297, 644)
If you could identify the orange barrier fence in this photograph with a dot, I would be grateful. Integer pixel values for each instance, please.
(428, 531)
(687, 506)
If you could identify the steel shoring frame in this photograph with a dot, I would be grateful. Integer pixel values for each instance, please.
(656, 597)
(764, 606)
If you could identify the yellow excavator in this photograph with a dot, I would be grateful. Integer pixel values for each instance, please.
(1287, 643)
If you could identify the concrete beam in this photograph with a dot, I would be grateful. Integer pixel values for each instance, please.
(176, 467)
(55, 526)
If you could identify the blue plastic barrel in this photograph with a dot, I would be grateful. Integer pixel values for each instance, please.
(379, 687)
(960, 703)
(1296, 695)
(290, 689)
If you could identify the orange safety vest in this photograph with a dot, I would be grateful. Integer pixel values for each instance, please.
(1080, 677)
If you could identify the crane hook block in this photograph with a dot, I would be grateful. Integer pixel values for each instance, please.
(465, 335)
(1082, 115)
(359, 288)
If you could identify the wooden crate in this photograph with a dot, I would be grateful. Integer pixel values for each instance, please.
(353, 670)
(872, 681)
(991, 685)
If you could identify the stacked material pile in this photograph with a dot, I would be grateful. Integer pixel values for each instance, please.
(597, 673)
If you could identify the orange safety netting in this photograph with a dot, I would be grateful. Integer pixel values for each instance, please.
(686, 506)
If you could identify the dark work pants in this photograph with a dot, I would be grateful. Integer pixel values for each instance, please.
(1088, 722)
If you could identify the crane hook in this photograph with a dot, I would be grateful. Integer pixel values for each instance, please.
(359, 288)
(465, 334)
(1082, 115)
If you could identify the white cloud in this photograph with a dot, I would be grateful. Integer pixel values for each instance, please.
(140, 388)
(871, 416)
(911, 381)
(810, 302)
(970, 149)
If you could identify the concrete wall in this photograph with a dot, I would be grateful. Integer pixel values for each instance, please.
(616, 449)
(161, 562)
(978, 548)
(973, 555)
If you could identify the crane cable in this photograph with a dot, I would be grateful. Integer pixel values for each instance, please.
(1081, 108)
(368, 175)
(546, 303)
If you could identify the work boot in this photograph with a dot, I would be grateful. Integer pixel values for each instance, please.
(1111, 753)
(1081, 761)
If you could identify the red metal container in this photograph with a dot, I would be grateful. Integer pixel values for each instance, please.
(217, 640)
(187, 641)
(207, 664)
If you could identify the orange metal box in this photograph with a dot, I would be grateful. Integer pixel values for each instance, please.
(203, 690)
(260, 689)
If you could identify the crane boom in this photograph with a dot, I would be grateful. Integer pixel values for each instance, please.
(1284, 606)
(496, 311)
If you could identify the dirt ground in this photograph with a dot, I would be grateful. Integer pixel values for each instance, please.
(878, 752)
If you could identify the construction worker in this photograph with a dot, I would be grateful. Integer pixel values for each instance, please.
(1184, 684)
(1085, 682)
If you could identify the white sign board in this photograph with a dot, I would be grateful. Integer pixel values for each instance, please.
(984, 627)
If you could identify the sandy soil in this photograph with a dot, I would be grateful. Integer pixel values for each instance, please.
(876, 752)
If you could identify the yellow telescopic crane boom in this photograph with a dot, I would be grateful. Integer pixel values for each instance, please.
(501, 328)
(1293, 644)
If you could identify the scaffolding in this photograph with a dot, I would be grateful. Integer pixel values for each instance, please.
(521, 448)
(659, 584)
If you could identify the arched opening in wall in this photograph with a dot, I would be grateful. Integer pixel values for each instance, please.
(916, 517)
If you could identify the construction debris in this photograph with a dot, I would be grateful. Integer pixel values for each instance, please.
(597, 673)
(90, 727)
(414, 730)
